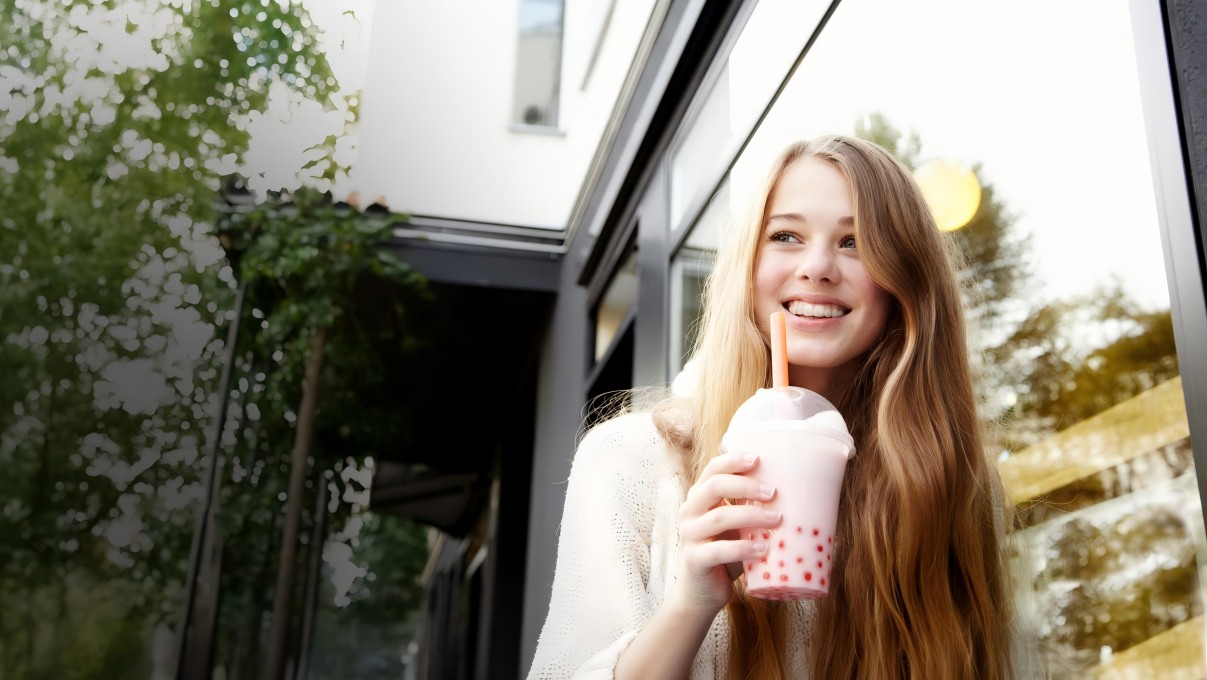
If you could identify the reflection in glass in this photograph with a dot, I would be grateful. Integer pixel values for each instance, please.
(696, 157)
(617, 303)
(538, 63)
(952, 190)
(1111, 522)
(689, 270)
(770, 42)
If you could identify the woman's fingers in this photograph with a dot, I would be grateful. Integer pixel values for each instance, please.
(711, 490)
(730, 461)
(708, 526)
(703, 557)
(727, 518)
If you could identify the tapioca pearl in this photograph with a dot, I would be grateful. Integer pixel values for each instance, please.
(820, 565)
(783, 577)
(820, 549)
(816, 532)
(766, 576)
(808, 576)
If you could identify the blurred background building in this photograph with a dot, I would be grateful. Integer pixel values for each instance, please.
(570, 166)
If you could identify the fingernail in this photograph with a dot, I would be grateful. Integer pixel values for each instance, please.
(760, 548)
(749, 457)
(772, 514)
(766, 490)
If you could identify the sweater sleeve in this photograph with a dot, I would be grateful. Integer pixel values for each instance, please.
(600, 600)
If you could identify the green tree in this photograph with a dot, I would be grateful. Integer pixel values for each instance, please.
(118, 121)
(333, 303)
(1117, 583)
(361, 638)
(1065, 382)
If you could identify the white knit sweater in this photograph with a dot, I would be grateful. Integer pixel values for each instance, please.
(618, 555)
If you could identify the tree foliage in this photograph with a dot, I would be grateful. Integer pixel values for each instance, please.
(311, 265)
(384, 605)
(119, 122)
(1066, 382)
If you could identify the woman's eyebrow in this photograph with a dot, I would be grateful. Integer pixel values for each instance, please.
(786, 217)
(847, 221)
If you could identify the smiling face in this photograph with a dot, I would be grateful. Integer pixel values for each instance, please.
(808, 265)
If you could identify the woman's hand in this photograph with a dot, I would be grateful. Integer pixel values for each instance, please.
(709, 547)
(711, 551)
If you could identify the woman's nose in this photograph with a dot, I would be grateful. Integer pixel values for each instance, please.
(818, 263)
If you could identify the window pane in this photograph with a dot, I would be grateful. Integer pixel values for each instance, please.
(689, 269)
(538, 63)
(696, 158)
(770, 42)
(617, 303)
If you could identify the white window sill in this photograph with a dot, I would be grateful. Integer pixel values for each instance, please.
(537, 130)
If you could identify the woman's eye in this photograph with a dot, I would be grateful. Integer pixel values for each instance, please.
(784, 237)
(848, 242)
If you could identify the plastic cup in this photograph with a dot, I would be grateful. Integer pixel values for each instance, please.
(803, 448)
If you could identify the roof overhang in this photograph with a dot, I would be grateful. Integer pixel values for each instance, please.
(462, 391)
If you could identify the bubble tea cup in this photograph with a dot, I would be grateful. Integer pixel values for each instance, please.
(804, 457)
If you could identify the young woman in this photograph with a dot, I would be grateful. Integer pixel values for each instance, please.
(648, 581)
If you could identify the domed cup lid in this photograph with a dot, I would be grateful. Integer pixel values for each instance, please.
(792, 408)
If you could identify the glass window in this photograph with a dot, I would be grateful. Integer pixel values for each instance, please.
(689, 270)
(770, 42)
(696, 158)
(617, 303)
(603, 11)
(538, 63)
(1070, 314)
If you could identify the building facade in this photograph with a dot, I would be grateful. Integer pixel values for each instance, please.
(568, 218)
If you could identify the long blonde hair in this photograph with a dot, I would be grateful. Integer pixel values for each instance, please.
(919, 586)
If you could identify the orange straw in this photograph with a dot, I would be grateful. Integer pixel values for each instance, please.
(779, 350)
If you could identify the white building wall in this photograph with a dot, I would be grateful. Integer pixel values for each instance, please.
(437, 136)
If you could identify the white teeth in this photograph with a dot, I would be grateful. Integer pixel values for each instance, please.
(808, 309)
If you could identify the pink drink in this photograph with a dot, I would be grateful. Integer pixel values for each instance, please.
(803, 448)
(806, 470)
